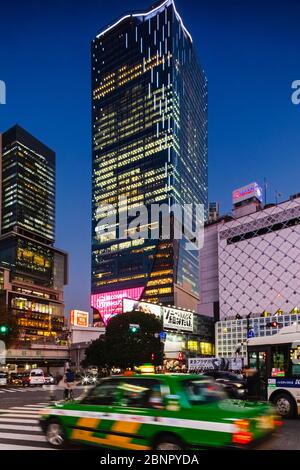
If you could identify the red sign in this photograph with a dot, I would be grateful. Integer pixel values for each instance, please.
(111, 303)
(79, 318)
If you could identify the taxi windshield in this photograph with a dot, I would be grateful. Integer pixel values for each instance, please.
(201, 391)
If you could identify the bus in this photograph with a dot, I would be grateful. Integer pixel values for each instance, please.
(277, 361)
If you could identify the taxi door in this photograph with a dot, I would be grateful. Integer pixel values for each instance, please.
(138, 413)
(94, 414)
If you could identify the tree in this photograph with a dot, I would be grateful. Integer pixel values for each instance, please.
(126, 346)
(95, 354)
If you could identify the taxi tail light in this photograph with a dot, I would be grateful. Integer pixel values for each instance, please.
(277, 422)
(242, 434)
(241, 437)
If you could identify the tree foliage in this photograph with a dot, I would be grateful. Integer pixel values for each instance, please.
(120, 347)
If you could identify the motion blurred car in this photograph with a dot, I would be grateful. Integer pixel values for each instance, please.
(3, 379)
(16, 378)
(234, 385)
(89, 380)
(49, 379)
(160, 412)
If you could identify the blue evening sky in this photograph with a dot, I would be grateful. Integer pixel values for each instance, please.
(250, 51)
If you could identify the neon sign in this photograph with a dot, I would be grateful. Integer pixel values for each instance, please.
(111, 303)
(247, 192)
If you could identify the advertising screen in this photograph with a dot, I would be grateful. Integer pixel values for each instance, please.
(111, 303)
(174, 318)
(130, 305)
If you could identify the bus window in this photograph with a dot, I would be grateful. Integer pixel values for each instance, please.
(295, 359)
(279, 361)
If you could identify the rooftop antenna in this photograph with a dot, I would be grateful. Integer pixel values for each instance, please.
(265, 190)
(277, 195)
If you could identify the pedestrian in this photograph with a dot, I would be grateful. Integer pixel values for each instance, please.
(69, 384)
(252, 381)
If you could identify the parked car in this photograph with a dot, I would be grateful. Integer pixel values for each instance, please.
(160, 412)
(234, 385)
(3, 379)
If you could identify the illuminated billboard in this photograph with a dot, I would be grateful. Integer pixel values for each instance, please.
(247, 192)
(176, 319)
(130, 305)
(111, 303)
(79, 318)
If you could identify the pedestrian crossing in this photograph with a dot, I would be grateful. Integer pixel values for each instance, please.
(23, 390)
(20, 429)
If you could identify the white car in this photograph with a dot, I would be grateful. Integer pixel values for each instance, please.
(3, 379)
(34, 377)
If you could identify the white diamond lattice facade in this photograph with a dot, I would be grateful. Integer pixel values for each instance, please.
(259, 261)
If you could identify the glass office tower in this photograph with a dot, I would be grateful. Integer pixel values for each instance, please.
(35, 271)
(28, 185)
(150, 146)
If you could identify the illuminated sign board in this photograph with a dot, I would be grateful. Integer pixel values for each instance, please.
(78, 318)
(111, 303)
(247, 192)
(130, 305)
(174, 318)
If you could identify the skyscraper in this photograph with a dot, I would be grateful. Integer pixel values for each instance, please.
(32, 271)
(28, 186)
(150, 146)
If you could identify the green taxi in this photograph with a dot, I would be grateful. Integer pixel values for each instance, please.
(160, 412)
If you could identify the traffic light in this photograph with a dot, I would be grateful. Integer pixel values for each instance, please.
(4, 329)
(180, 356)
(134, 328)
(272, 324)
(152, 357)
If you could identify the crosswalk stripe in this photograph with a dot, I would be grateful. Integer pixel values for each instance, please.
(19, 427)
(10, 410)
(35, 406)
(19, 415)
(22, 437)
(18, 420)
(28, 408)
(18, 447)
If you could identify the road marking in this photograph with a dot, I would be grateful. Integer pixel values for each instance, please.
(19, 415)
(18, 447)
(20, 427)
(29, 408)
(17, 420)
(35, 406)
(10, 410)
(22, 437)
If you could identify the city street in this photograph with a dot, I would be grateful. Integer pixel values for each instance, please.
(19, 413)
(20, 430)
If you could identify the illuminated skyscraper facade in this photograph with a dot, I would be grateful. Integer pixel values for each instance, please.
(35, 272)
(150, 146)
(28, 185)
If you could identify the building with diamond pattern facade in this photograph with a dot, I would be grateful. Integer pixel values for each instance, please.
(259, 261)
(250, 272)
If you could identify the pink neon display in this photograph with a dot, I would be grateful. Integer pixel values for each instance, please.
(110, 303)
